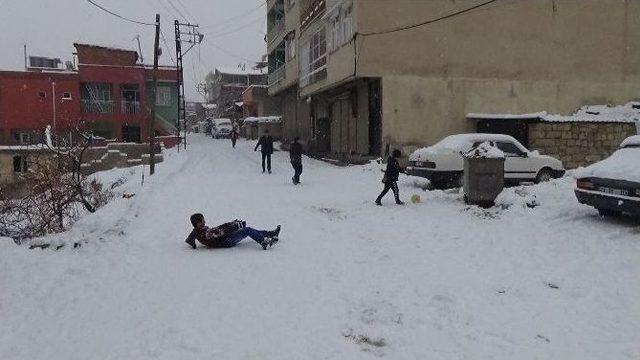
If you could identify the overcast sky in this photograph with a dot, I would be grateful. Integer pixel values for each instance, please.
(234, 31)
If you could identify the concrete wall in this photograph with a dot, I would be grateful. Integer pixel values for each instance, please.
(578, 144)
(510, 57)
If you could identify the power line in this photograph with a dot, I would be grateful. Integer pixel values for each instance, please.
(186, 9)
(262, 3)
(177, 10)
(235, 30)
(164, 40)
(118, 15)
(429, 21)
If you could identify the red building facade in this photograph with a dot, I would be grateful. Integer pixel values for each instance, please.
(29, 101)
(108, 93)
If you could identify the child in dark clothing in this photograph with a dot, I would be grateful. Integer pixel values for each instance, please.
(228, 234)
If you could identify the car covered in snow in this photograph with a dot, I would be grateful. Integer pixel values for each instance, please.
(221, 128)
(443, 163)
(613, 185)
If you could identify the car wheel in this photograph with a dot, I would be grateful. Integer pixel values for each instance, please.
(608, 213)
(544, 175)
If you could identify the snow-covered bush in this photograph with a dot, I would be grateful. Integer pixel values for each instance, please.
(55, 193)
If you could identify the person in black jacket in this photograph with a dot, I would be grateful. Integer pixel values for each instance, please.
(295, 153)
(390, 179)
(234, 137)
(266, 147)
(228, 234)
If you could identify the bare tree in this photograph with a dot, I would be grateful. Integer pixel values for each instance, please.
(56, 190)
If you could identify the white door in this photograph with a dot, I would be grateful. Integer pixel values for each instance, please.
(516, 163)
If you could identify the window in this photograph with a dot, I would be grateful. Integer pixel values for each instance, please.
(66, 96)
(164, 96)
(23, 138)
(20, 164)
(347, 24)
(42, 95)
(509, 149)
(290, 46)
(340, 27)
(314, 58)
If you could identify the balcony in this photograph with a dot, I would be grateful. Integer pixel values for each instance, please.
(276, 75)
(130, 107)
(276, 30)
(97, 106)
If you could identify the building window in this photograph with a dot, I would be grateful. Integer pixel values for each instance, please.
(96, 98)
(340, 27)
(42, 95)
(23, 138)
(20, 164)
(164, 96)
(66, 96)
(290, 46)
(314, 59)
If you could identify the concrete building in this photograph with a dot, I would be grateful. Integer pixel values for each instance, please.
(356, 78)
(225, 87)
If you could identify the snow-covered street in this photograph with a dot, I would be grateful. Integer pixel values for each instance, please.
(348, 279)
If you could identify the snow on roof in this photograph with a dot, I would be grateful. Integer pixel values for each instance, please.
(239, 71)
(631, 141)
(23, 147)
(263, 119)
(210, 106)
(627, 113)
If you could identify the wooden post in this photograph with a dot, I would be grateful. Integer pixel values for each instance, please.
(152, 120)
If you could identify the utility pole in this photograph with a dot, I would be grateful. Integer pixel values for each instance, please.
(152, 121)
(192, 36)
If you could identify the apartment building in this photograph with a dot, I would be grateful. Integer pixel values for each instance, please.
(356, 78)
(225, 87)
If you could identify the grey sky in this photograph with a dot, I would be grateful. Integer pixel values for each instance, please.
(234, 30)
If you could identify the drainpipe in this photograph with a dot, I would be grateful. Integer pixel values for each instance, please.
(53, 91)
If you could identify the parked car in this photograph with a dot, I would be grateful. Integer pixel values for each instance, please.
(443, 163)
(221, 128)
(613, 185)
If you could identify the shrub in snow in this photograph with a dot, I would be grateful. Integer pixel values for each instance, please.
(56, 193)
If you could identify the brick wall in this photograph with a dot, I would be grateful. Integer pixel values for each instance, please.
(578, 143)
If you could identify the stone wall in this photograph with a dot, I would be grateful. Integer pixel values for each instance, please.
(578, 143)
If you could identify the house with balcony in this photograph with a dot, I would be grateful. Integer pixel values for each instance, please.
(374, 79)
(116, 93)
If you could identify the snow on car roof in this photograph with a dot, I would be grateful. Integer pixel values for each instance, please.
(459, 142)
(624, 164)
(263, 119)
(631, 141)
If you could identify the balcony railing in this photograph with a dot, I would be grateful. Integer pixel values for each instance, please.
(130, 107)
(313, 72)
(97, 106)
(277, 75)
(276, 30)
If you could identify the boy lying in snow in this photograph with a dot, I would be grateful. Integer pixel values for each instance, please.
(228, 234)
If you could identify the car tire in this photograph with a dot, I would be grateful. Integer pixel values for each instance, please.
(544, 175)
(608, 213)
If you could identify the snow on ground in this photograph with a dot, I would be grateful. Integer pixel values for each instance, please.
(348, 280)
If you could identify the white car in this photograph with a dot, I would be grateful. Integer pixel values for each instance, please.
(221, 128)
(443, 163)
(613, 185)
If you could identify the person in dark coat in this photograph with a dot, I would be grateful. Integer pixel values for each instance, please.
(228, 234)
(390, 178)
(266, 148)
(295, 154)
(234, 137)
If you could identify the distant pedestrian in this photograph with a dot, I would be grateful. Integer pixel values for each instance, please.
(390, 178)
(266, 148)
(295, 153)
(234, 137)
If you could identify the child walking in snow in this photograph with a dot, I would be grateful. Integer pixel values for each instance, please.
(228, 234)
(390, 179)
